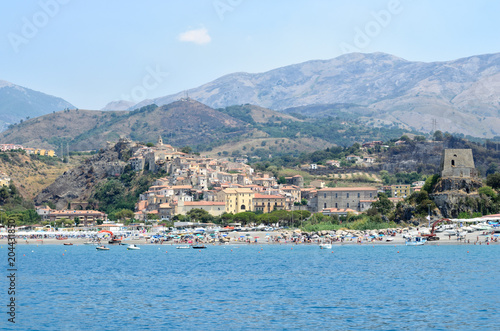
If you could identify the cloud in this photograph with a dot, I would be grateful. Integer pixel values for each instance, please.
(197, 36)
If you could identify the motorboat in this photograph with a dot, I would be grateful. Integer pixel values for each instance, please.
(450, 232)
(415, 241)
(468, 229)
(102, 248)
(133, 247)
(183, 247)
(481, 226)
(68, 244)
(199, 246)
(389, 239)
(325, 246)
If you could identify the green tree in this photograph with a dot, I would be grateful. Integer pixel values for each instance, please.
(438, 135)
(383, 205)
(430, 183)
(200, 215)
(124, 214)
(487, 191)
(493, 180)
(186, 149)
(109, 193)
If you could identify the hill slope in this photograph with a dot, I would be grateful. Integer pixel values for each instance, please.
(180, 123)
(31, 174)
(462, 95)
(244, 129)
(17, 103)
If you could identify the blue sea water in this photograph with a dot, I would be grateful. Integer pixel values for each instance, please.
(281, 287)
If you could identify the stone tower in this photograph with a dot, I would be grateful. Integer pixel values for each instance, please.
(160, 141)
(458, 183)
(458, 163)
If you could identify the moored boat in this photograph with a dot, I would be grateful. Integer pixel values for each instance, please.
(183, 247)
(133, 247)
(102, 248)
(199, 246)
(415, 241)
(325, 246)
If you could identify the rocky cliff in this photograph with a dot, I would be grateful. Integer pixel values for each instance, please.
(454, 195)
(79, 183)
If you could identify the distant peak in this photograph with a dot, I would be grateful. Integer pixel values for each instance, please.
(118, 105)
(4, 83)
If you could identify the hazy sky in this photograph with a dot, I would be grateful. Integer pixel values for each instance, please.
(92, 52)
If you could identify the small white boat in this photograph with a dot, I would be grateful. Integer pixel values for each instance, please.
(415, 241)
(102, 248)
(325, 246)
(389, 239)
(183, 247)
(468, 229)
(481, 227)
(133, 247)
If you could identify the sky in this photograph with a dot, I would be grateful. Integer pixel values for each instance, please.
(93, 52)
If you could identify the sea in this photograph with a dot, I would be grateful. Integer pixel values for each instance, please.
(254, 287)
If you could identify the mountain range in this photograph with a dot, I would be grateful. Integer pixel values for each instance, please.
(20, 103)
(377, 89)
(461, 96)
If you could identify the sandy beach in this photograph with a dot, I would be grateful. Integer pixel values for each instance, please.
(265, 238)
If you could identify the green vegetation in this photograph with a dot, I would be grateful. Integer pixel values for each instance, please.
(320, 222)
(14, 206)
(116, 196)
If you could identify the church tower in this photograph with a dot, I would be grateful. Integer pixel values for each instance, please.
(160, 141)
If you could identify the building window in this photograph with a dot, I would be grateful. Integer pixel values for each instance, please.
(336, 195)
(324, 195)
(336, 205)
(348, 205)
(324, 205)
(348, 195)
(371, 195)
(359, 194)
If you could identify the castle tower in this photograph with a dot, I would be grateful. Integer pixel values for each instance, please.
(458, 163)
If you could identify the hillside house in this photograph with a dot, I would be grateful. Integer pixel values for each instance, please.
(333, 164)
(400, 190)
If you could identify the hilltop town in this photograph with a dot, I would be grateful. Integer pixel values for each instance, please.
(185, 182)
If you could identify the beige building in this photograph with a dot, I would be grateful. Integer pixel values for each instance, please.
(400, 190)
(214, 208)
(268, 203)
(237, 200)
